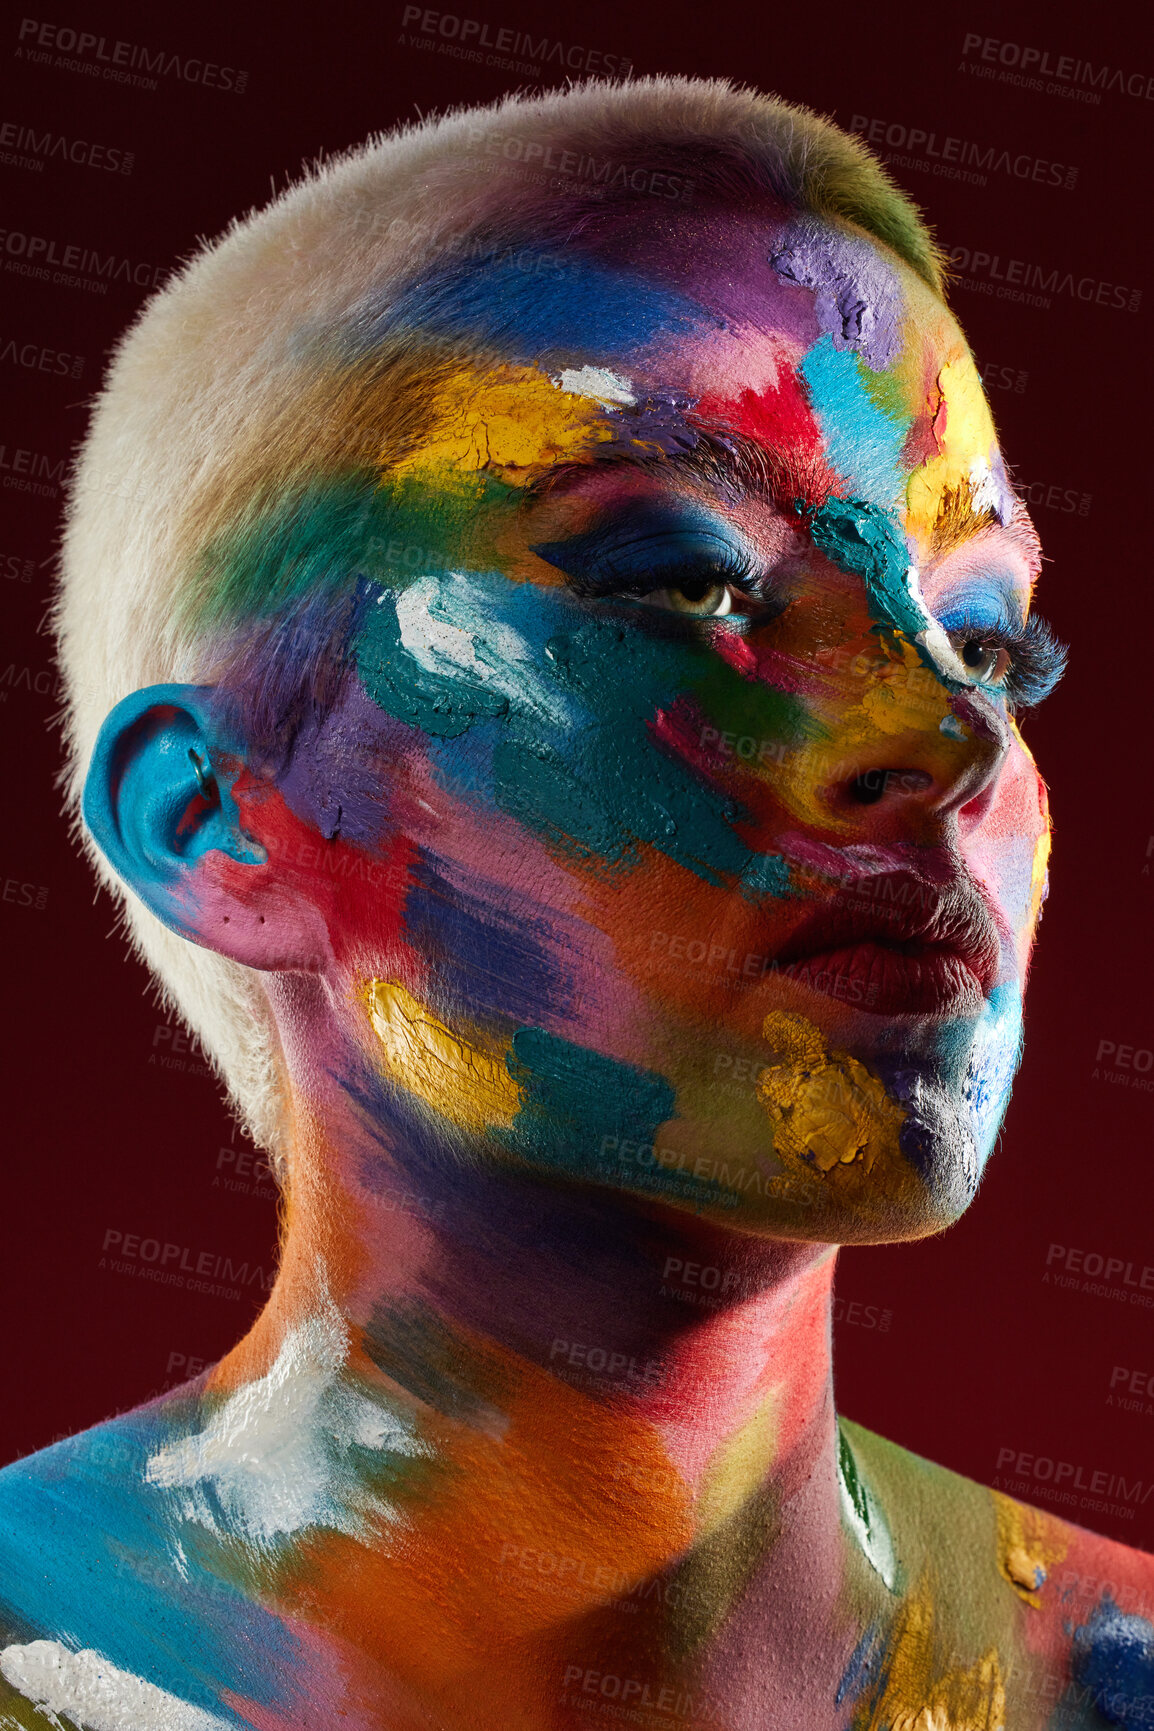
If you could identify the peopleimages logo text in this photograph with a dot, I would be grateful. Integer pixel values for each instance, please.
(1019, 279)
(474, 33)
(1039, 63)
(117, 59)
(41, 256)
(942, 152)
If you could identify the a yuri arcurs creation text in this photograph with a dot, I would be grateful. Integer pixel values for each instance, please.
(543, 606)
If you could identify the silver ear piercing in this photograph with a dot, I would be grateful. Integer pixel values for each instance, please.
(205, 779)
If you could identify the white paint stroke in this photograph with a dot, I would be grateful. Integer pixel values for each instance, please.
(99, 1695)
(452, 623)
(596, 382)
(276, 1455)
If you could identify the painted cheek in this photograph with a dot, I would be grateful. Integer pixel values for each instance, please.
(1010, 850)
(356, 892)
(877, 697)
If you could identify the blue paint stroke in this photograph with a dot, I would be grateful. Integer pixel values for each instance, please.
(580, 308)
(863, 442)
(1113, 1657)
(87, 1558)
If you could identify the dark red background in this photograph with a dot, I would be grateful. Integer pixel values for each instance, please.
(981, 1354)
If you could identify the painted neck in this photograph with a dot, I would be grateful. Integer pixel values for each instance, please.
(573, 1375)
(635, 1306)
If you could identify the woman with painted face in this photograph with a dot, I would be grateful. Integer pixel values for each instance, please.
(550, 702)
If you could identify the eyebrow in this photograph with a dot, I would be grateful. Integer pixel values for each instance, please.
(731, 465)
(734, 466)
(1022, 532)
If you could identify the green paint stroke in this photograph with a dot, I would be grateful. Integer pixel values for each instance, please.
(864, 1516)
(315, 535)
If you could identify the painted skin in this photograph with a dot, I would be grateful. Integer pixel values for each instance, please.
(640, 689)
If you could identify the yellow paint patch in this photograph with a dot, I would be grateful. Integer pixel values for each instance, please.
(508, 419)
(738, 1469)
(1039, 875)
(965, 435)
(899, 695)
(964, 1698)
(904, 696)
(827, 1110)
(470, 1087)
(1029, 1544)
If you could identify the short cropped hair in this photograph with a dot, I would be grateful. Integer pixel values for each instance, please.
(224, 391)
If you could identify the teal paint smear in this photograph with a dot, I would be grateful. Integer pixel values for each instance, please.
(610, 784)
(864, 443)
(768, 876)
(575, 1096)
(615, 794)
(444, 705)
(602, 785)
(597, 783)
(859, 537)
(584, 1113)
(82, 1513)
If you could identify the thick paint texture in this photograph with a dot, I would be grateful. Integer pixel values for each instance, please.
(612, 769)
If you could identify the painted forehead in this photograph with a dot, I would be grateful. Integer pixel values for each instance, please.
(432, 411)
(804, 338)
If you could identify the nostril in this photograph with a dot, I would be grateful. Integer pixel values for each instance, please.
(868, 788)
(873, 784)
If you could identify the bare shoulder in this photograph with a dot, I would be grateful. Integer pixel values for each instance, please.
(103, 1610)
(1004, 1609)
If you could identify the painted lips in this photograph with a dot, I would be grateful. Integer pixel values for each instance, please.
(895, 944)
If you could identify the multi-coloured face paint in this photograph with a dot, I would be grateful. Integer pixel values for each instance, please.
(623, 679)
(648, 609)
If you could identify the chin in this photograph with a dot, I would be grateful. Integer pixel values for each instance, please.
(831, 1146)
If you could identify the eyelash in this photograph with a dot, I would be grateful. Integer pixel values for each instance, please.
(1037, 658)
(728, 568)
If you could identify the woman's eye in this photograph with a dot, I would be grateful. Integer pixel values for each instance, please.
(701, 597)
(988, 663)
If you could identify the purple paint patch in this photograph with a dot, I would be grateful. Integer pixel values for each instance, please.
(858, 300)
(660, 421)
(334, 776)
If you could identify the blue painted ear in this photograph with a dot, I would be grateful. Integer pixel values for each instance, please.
(155, 800)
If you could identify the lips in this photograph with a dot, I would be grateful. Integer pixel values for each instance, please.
(896, 944)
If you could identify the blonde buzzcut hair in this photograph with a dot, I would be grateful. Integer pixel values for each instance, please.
(212, 367)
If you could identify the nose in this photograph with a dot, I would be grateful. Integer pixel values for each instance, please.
(944, 765)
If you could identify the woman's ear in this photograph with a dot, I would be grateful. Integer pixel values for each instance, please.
(158, 801)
